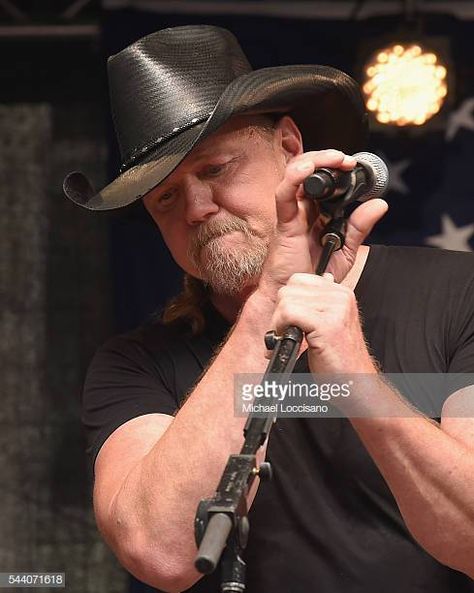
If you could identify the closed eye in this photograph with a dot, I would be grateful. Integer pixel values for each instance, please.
(166, 200)
(216, 169)
(213, 170)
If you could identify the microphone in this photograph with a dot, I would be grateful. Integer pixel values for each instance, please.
(368, 179)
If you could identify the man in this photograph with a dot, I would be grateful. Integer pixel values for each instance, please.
(380, 502)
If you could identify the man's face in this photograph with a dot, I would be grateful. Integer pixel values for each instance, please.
(216, 211)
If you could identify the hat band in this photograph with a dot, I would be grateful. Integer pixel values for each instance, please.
(142, 152)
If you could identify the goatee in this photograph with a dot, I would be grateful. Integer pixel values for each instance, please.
(228, 269)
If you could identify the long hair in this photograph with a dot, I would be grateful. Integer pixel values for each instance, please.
(188, 305)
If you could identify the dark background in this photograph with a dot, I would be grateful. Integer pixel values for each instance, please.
(69, 279)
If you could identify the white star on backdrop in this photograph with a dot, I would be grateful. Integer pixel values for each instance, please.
(463, 117)
(395, 180)
(451, 236)
(395, 170)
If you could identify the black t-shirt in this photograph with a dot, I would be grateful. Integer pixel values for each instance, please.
(327, 522)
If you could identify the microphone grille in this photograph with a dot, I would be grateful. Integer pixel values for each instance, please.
(378, 172)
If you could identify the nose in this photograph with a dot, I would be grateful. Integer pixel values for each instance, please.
(199, 200)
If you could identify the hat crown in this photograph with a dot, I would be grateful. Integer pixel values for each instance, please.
(168, 81)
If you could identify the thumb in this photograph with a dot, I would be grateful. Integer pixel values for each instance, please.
(363, 219)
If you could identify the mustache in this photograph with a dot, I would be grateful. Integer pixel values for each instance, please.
(214, 228)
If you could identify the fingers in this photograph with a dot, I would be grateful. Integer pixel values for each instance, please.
(363, 219)
(307, 297)
(311, 291)
(308, 280)
(296, 172)
(327, 158)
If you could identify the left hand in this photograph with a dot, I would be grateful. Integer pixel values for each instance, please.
(328, 315)
(295, 246)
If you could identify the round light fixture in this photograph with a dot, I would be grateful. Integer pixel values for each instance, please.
(404, 85)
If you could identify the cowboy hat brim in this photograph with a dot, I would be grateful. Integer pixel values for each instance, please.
(325, 103)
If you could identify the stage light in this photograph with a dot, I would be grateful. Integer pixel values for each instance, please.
(404, 84)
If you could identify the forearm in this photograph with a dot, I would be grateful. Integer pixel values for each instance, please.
(429, 472)
(154, 510)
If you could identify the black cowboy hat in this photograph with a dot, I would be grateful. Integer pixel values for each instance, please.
(173, 88)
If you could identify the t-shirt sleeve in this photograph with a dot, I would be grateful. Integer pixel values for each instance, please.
(462, 355)
(123, 382)
(461, 339)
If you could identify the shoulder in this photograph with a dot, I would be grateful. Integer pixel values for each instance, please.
(421, 263)
(430, 283)
(150, 340)
(156, 337)
(437, 284)
(169, 353)
(421, 254)
(138, 359)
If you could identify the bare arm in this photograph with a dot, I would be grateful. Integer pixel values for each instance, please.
(428, 467)
(149, 520)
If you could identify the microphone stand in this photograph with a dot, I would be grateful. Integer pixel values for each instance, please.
(221, 525)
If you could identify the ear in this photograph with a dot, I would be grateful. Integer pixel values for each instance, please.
(288, 138)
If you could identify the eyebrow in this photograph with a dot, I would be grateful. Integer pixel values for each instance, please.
(165, 186)
(213, 151)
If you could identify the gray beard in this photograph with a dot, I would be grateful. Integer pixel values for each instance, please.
(227, 270)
